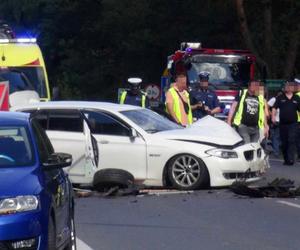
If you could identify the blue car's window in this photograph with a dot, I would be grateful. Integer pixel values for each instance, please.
(15, 147)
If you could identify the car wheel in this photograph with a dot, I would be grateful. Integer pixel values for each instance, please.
(72, 244)
(187, 172)
(51, 235)
(107, 178)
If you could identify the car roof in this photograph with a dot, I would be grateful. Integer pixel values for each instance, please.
(13, 118)
(80, 104)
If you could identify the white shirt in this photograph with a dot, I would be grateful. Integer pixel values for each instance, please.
(271, 103)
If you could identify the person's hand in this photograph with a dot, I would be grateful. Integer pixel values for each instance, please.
(207, 110)
(266, 131)
(273, 120)
(199, 105)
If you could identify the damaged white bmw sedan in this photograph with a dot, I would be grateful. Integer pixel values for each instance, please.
(111, 142)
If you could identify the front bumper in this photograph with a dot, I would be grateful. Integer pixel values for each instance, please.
(249, 166)
(20, 226)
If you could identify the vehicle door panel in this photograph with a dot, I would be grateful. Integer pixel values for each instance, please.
(124, 153)
(69, 132)
(117, 149)
(74, 142)
(56, 185)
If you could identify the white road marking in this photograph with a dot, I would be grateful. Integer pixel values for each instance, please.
(81, 245)
(289, 204)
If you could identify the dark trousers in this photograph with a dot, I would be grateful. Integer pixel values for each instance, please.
(298, 139)
(275, 138)
(288, 133)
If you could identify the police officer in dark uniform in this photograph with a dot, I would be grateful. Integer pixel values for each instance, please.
(134, 95)
(288, 105)
(203, 100)
(297, 92)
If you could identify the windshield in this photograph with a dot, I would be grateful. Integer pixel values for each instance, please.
(226, 72)
(15, 148)
(25, 78)
(150, 121)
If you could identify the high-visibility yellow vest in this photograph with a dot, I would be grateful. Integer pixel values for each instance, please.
(298, 113)
(123, 97)
(261, 111)
(176, 106)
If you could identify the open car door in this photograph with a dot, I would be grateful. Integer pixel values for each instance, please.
(91, 149)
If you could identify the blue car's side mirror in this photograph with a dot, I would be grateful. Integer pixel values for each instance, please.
(57, 160)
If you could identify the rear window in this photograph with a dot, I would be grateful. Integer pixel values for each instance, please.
(15, 147)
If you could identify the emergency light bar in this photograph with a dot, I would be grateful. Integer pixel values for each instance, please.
(18, 40)
(186, 45)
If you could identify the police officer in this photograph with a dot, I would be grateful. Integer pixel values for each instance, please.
(204, 101)
(288, 105)
(178, 102)
(134, 95)
(248, 113)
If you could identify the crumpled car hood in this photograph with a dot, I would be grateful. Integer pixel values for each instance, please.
(207, 130)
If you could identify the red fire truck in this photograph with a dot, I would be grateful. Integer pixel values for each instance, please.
(230, 70)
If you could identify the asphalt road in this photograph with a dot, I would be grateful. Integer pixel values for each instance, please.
(206, 219)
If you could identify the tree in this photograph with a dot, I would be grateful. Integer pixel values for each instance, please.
(267, 46)
(92, 46)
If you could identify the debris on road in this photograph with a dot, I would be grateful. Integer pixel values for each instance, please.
(132, 190)
(111, 192)
(278, 188)
(117, 191)
(82, 193)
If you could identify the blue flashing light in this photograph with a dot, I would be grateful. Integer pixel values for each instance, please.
(5, 40)
(18, 40)
(26, 40)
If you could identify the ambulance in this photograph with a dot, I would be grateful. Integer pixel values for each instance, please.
(22, 66)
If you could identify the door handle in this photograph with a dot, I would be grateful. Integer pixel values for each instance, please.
(104, 142)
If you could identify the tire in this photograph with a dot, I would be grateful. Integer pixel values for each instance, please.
(187, 172)
(107, 178)
(51, 235)
(72, 244)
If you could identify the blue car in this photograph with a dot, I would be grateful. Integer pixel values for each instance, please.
(36, 199)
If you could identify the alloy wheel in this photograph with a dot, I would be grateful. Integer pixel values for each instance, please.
(186, 170)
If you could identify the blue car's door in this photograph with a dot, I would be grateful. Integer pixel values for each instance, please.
(57, 186)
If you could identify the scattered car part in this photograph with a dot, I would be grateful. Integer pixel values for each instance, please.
(281, 188)
(117, 191)
(108, 178)
(82, 193)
